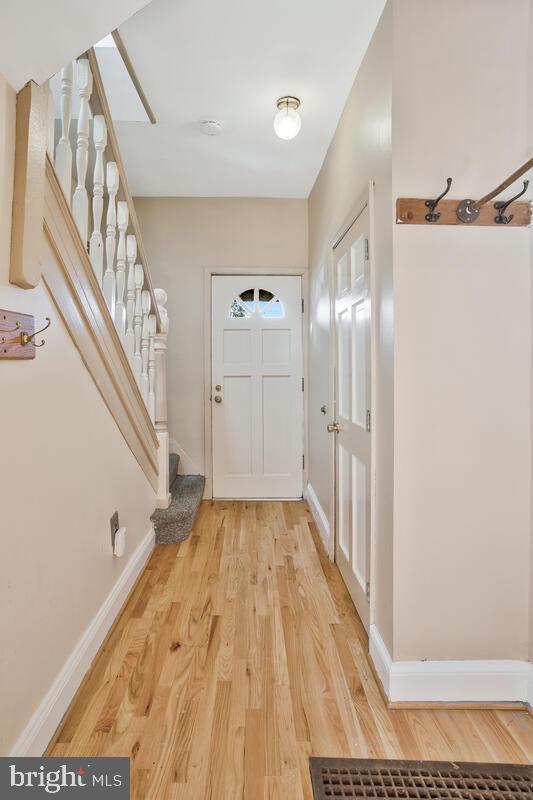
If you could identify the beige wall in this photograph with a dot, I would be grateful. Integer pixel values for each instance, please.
(64, 469)
(462, 338)
(359, 152)
(182, 237)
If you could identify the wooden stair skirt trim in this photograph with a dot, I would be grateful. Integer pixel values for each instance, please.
(71, 281)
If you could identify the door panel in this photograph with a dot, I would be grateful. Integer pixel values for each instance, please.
(353, 452)
(257, 402)
(239, 423)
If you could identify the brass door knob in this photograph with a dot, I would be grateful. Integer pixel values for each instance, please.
(334, 427)
(218, 398)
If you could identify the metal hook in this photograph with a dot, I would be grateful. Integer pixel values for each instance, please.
(502, 205)
(433, 216)
(26, 338)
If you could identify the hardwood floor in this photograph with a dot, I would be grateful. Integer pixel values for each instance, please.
(239, 655)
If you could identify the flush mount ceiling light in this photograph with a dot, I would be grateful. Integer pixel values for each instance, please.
(287, 122)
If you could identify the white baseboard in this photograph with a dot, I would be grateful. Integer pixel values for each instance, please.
(38, 732)
(319, 515)
(208, 488)
(381, 658)
(187, 465)
(466, 681)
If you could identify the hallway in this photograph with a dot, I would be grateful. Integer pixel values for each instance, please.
(238, 655)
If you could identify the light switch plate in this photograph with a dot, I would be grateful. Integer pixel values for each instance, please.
(114, 528)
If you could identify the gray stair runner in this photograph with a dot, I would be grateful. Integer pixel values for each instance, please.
(173, 524)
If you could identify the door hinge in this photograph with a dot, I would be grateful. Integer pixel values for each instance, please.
(303, 462)
(302, 305)
(367, 252)
(368, 591)
(303, 384)
(368, 421)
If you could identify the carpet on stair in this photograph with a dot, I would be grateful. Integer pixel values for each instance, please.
(173, 524)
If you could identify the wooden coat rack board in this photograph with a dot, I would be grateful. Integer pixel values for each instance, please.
(504, 213)
(17, 335)
(412, 211)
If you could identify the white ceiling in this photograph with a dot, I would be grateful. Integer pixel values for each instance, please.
(38, 37)
(230, 60)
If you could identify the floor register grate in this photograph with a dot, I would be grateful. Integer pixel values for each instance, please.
(418, 780)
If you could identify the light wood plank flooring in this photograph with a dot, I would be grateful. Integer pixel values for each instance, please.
(239, 655)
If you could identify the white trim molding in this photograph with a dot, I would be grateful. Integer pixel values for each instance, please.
(466, 681)
(41, 727)
(319, 515)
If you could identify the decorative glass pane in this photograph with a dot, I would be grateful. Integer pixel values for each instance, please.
(247, 298)
(275, 310)
(237, 311)
(264, 297)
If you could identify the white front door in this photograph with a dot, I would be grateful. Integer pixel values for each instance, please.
(353, 451)
(257, 383)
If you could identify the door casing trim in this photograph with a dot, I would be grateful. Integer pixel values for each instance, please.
(208, 429)
(365, 199)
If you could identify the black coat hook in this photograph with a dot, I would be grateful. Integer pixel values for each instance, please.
(26, 338)
(433, 216)
(502, 205)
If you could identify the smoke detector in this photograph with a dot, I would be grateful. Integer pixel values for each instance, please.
(210, 127)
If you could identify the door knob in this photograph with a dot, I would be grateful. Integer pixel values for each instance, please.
(333, 427)
(218, 398)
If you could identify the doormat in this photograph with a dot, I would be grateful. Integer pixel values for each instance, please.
(419, 780)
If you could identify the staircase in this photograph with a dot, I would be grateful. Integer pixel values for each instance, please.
(173, 524)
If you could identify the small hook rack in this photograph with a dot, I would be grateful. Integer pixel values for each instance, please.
(27, 338)
(501, 207)
(17, 335)
(432, 215)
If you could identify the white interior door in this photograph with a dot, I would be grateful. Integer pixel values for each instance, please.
(257, 382)
(353, 384)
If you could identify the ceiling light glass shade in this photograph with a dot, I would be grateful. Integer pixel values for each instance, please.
(287, 122)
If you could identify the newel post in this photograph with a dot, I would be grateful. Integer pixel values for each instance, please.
(161, 420)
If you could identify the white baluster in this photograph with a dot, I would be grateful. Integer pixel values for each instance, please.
(145, 343)
(152, 327)
(80, 200)
(137, 323)
(120, 308)
(160, 362)
(50, 130)
(111, 236)
(131, 253)
(63, 160)
(96, 245)
(161, 426)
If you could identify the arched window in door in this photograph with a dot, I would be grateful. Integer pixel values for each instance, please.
(256, 301)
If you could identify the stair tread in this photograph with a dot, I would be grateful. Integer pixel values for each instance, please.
(175, 523)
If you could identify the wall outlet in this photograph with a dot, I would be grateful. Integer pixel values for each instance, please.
(114, 528)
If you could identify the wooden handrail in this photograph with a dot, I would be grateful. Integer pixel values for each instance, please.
(100, 105)
(507, 182)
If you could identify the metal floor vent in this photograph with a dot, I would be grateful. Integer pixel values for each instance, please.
(419, 780)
